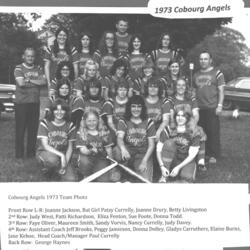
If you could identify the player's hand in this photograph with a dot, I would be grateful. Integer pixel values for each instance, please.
(164, 171)
(125, 154)
(174, 172)
(218, 110)
(143, 166)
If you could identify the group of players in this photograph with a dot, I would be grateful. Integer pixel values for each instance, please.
(120, 102)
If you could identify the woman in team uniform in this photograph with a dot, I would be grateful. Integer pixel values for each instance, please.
(64, 71)
(135, 138)
(118, 73)
(90, 73)
(107, 53)
(114, 109)
(178, 147)
(154, 100)
(85, 51)
(60, 51)
(136, 57)
(76, 104)
(164, 54)
(94, 144)
(94, 99)
(57, 134)
(174, 73)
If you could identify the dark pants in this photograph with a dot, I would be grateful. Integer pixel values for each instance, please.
(210, 123)
(27, 119)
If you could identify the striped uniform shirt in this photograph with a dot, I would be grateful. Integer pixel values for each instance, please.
(206, 84)
(58, 135)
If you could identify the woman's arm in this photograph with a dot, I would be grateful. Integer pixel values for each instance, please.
(165, 123)
(196, 115)
(47, 71)
(50, 149)
(164, 170)
(111, 122)
(69, 151)
(120, 142)
(192, 152)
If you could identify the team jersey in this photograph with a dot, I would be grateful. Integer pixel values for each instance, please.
(105, 62)
(173, 103)
(206, 84)
(58, 135)
(136, 135)
(183, 141)
(94, 141)
(162, 59)
(136, 62)
(154, 111)
(96, 105)
(112, 107)
(82, 58)
(61, 55)
(30, 93)
(111, 84)
(123, 42)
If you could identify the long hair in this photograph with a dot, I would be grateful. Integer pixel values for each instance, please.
(187, 93)
(71, 70)
(159, 43)
(96, 83)
(119, 63)
(60, 83)
(83, 130)
(67, 45)
(130, 46)
(102, 44)
(91, 43)
(156, 81)
(53, 107)
(136, 99)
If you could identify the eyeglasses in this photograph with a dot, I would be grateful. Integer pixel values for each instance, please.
(109, 38)
(65, 69)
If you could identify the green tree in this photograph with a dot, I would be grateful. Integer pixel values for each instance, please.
(229, 52)
(15, 36)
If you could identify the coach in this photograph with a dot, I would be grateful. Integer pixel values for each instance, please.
(209, 83)
(29, 78)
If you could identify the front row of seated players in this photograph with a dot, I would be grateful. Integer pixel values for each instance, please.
(130, 119)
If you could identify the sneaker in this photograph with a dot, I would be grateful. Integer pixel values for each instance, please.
(202, 168)
(212, 160)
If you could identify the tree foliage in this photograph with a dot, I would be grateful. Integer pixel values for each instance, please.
(15, 36)
(229, 52)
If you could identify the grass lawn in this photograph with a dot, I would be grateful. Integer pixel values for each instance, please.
(233, 167)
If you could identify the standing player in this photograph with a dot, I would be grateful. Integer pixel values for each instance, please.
(122, 36)
(107, 52)
(163, 54)
(58, 52)
(28, 79)
(209, 83)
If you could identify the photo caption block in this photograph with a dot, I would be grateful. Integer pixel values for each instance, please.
(71, 215)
